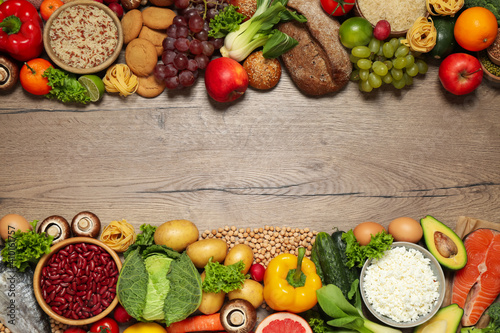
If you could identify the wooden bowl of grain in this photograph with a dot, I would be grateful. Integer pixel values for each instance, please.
(83, 37)
(400, 16)
(494, 50)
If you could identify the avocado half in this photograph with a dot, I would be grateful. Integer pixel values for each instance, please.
(443, 243)
(446, 320)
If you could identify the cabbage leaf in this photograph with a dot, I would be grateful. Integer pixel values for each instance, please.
(157, 283)
(157, 266)
(132, 284)
(185, 290)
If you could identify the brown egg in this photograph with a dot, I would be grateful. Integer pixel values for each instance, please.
(10, 223)
(405, 229)
(364, 231)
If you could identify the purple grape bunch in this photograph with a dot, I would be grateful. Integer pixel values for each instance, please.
(187, 49)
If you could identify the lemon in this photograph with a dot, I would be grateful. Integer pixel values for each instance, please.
(94, 86)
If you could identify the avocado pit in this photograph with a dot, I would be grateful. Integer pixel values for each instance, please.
(444, 245)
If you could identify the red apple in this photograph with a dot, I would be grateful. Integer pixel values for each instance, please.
(225, 79)
(460, 73)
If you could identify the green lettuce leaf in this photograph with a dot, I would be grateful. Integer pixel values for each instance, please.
(65, 87)
(225, 22)
(358, 254)
(219, 277)
(23, 249)
(146, 237)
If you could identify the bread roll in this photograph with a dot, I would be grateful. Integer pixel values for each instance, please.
(262, 73)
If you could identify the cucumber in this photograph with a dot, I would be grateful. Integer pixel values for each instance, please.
(445, 39)
(329, 255)
(315, 260)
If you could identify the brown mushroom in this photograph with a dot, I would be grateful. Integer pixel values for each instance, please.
(86, 224)
(56, 226)
(238, 316)
(130, 4)
(9, 73)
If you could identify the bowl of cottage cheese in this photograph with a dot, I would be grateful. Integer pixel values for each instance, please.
(405, 287)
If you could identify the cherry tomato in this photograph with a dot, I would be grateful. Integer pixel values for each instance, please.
(105, 325)
(337, 8)
(74, 330)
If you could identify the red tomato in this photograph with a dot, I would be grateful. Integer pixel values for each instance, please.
(105, 325)
(74, 330)
(337, 8)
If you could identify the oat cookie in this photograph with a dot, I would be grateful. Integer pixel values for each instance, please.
(157, 17)
(149, 86)
(141, 57)
(131, 25)
(154, 36)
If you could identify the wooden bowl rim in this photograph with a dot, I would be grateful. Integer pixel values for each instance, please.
(63, 65)
(394, 33)
(43, 261)
(489, 75)
(495, 60)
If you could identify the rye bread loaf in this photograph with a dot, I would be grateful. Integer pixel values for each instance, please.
(319, 64)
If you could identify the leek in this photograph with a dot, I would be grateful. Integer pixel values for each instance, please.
(259, 31)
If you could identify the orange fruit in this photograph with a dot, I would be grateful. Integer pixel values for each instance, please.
(48, 7)
(476, 29)
(31, 77)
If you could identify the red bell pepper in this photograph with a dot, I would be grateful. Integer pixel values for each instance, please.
(20, 30)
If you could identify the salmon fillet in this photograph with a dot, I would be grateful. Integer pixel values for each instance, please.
(477, 285)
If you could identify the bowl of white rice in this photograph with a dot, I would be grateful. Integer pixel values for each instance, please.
(405, 287)
(401, 15)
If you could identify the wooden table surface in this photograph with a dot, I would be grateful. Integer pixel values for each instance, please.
(271, 158)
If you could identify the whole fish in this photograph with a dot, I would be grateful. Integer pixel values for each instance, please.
(19, 309)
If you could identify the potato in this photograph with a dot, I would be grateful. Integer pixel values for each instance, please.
(211, 302)
(201, 251)
(251, 291)
(177, 234)
(240, 252)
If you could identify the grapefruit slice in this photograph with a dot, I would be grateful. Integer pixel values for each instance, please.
(283, 322)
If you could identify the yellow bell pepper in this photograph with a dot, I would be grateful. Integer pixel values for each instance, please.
(145, 328)
(287, 288)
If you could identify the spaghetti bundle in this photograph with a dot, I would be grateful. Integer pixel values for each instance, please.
(118, 235)
(444, 7)
(119, 78)
(422, 35)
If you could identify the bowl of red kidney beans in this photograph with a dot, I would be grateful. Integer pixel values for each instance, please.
(76, 282)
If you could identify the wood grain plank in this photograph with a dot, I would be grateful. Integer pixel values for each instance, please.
(276, 157)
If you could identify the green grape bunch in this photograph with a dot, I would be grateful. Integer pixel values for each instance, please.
(388, 62)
